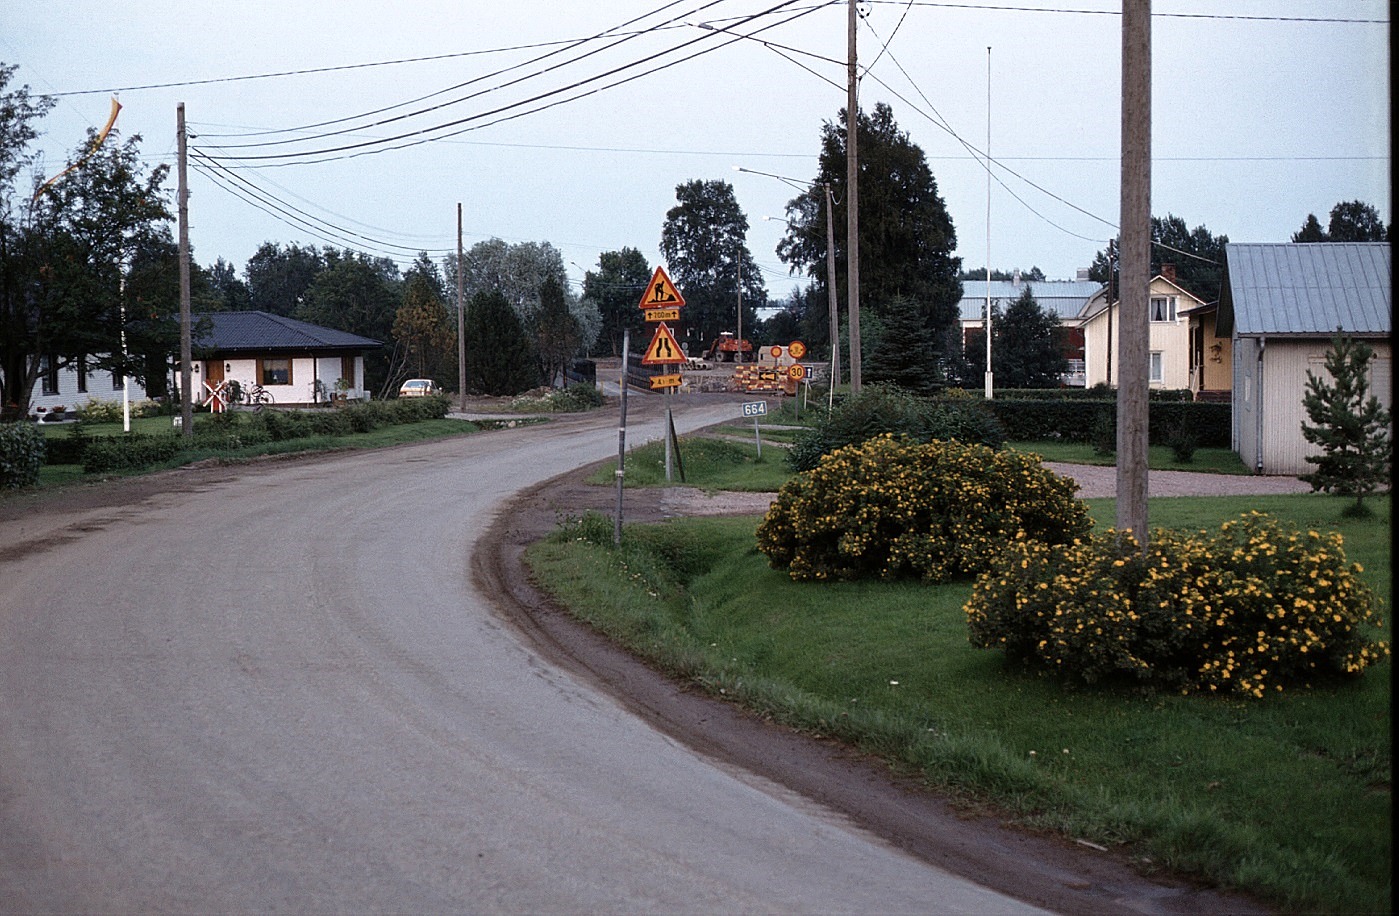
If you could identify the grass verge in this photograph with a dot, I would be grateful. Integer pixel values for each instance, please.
(1287, 798)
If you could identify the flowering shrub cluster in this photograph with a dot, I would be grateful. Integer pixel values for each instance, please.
(1254, 607)
(893, 508)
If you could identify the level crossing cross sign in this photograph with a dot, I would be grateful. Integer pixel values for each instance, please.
(663, 349)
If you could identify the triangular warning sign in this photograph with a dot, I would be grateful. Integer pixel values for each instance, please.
(660, 292)
(663, 349)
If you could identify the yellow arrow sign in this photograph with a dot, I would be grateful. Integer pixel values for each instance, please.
(663, 349)
(661, 314)
(666, 381)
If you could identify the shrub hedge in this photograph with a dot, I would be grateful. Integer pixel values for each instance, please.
(1252, 608)
(893, 508)
(132, 450)
(21, 455)
(1073, 419)
(880, 409)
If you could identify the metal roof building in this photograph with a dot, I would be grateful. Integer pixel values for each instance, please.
(1278, 289)
(1064, 298)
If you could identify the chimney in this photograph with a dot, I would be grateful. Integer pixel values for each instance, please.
(1169, 272)
(1082, 272)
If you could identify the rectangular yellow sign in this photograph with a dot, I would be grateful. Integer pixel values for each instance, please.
(662, 314)
(666, 381)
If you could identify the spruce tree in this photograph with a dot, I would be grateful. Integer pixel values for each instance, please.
(500, 358)
(1349, 425)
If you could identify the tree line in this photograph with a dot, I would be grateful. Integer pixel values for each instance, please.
(92, 258)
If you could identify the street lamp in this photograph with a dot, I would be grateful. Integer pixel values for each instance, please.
(830, 270)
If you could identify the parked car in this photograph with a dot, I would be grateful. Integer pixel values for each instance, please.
(419, 388)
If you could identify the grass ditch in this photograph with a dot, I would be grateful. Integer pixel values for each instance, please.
(1287, 798)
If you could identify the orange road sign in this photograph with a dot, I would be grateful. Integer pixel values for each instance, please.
(663, 349)
(661, 314)
(796, 373)
(660, 292)
(776, 352)
(666, 381)
(797, 349)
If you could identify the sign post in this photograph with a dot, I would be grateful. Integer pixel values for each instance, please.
(661, 302)
(756, 409)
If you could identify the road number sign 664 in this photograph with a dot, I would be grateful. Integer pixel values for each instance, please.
(755, 409)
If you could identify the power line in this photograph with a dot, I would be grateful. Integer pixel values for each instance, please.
(419, 137)
(1154, 15)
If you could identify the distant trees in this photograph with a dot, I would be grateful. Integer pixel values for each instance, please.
(906, 234)
(499, 357)
(1034, 273)
(1351, 221)
(614, 290)
(424, 330)
(277, 278)
(707, 257)
(1197, 255)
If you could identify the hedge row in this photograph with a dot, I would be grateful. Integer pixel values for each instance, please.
(1096, 393)
(1074, 420)
(21, 455)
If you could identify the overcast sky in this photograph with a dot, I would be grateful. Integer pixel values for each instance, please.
(1263, 111)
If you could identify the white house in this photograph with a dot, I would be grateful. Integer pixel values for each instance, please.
(66, 388)
(1062, 298)
(1168, 341)
(1281, 304)
(296, 363)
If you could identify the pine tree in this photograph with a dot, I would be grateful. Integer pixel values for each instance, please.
(500, 359)
(1349, 425)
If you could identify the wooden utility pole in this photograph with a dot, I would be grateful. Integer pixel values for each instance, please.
(1133, 360)
(461, 325)
(852, 213)
(186, 343)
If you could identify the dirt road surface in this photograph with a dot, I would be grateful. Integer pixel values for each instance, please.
(323, 684)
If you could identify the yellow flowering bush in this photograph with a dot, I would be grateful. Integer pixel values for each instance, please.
(1254, 607)
(893, 508)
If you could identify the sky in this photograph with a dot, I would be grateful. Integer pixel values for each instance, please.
(573, 123)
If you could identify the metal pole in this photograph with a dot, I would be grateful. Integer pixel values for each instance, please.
(852, 193)
(990, 375)
(622, 439)
(833, 300)
(1135, 291)
(186, 343)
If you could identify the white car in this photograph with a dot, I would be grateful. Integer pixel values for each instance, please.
(419, 388)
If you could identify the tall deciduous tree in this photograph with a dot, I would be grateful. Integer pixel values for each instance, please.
(615, 290)
(1351, 221)
(278, 278)
(359, 294)
(703, 243)
(906, 234)
(1348, 424)
(500, 356)
(424, 330)
(84, 262)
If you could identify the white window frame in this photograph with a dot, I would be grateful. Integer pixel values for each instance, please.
(1168, 306)
(1158, 367)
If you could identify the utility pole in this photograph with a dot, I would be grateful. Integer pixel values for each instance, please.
(186, 344)
(852, 193)
(461, 325)
(831, 297)
(1135, 258)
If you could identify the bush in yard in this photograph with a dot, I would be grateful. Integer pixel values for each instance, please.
(22, 454)
(133, 450)
(1251, 608)
(882, 409)
(893, 508)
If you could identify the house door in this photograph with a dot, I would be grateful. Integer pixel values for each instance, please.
(213, 371)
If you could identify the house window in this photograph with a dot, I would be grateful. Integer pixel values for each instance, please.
(118, 381)
(1156, 374)
(274, 371)
(1163, 308)
(82, 374)
(48, 375)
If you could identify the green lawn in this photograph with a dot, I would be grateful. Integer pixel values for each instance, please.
(1287, 797)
